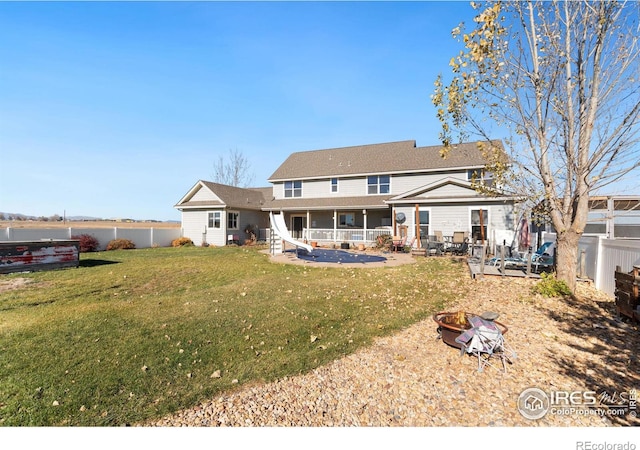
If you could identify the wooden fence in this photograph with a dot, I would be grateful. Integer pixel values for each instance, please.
(627, 292)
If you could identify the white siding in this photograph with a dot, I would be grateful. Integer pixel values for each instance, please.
(257, 218)
(450, 218)
(204, 194)
(317, 188)
(194, 224)
(278, 190)
(347, 187)
(357, 186)
(353, 187)
(503, 216)
(457, 217)
(450, 190)
(195, 227)
(405, 183)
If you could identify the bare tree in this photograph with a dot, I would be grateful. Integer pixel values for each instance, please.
(561, 79)
(234, 170)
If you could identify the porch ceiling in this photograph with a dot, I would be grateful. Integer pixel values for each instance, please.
(364, 202)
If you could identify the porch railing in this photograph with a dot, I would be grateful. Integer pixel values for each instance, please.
(344, 235)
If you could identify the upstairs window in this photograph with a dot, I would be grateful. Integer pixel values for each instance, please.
(480, 176)
(378, 184)
(334, 185)
(292, 189)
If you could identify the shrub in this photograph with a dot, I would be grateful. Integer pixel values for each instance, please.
(120, 244)
(384, 242)
(550, 286)
(88, 243)
(182, 242)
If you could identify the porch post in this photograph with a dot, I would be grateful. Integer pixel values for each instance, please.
(335, 225)
(393, 216)
(609, 228)
(364, 232)
(418, 224)
(308, 224)
(481, 227)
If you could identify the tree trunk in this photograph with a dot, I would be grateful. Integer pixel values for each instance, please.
(567, 257)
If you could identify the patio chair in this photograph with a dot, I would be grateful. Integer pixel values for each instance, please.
(541, 260)
(398, 242)
(461, 249)
(459, 244)
(485, 341)
(435, 245)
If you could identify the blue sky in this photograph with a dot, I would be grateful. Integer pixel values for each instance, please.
(116, 109)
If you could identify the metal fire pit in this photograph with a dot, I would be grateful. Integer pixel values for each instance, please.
(448, 330)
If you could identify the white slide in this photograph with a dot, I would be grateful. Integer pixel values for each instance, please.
(280, 227)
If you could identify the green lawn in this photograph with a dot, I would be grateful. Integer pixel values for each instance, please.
(136, 334)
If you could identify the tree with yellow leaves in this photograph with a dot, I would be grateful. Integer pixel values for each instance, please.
(561, 79)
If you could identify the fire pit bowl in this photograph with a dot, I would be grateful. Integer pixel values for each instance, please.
(453, 324)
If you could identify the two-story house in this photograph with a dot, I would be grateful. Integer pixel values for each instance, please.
(354, 194)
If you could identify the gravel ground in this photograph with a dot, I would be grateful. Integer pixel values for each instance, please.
(412, 379)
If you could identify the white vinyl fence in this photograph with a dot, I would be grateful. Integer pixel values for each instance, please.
(142, 237)
(601, 256)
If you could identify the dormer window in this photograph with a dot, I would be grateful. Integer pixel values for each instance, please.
(292, 189)
(378, 184)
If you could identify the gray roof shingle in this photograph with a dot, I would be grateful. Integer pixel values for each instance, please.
(392, 157)
(234, 197)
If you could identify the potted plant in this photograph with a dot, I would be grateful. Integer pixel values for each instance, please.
(252, 233)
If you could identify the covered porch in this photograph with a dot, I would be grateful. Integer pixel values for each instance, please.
(337, 226)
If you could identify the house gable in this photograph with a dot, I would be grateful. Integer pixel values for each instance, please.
(206, 194)
(446, 190)
(199, 196)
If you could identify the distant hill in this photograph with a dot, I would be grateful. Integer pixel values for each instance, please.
(87, 218)
(20, 216)
(57, 218)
